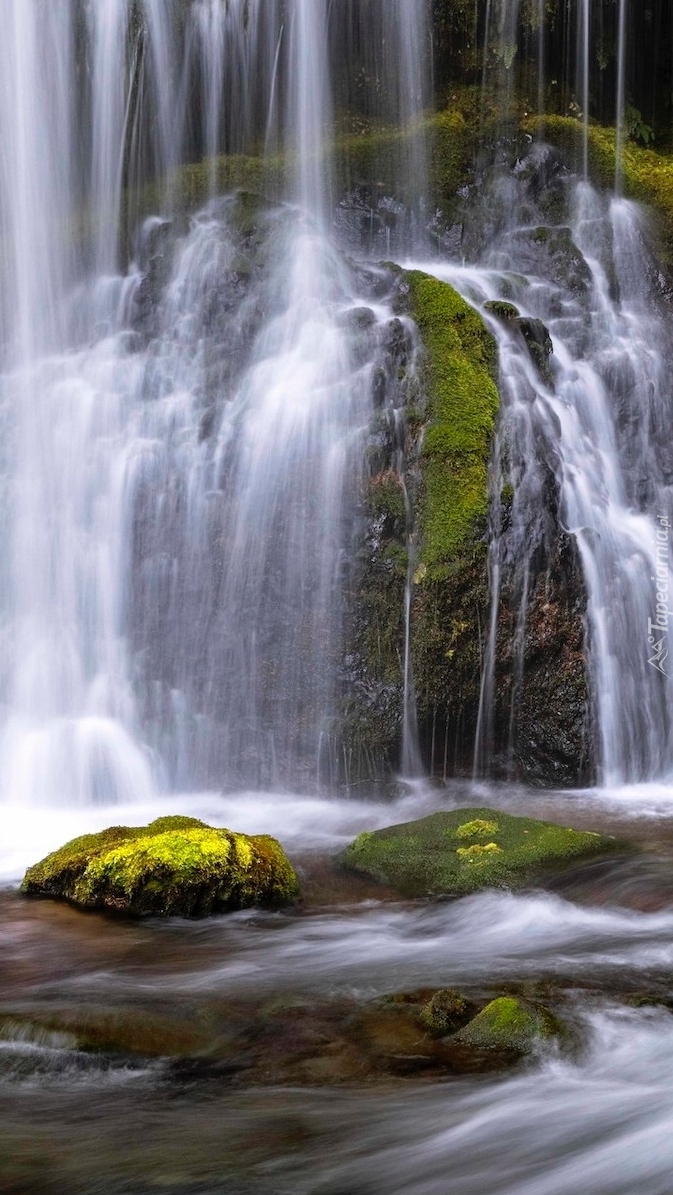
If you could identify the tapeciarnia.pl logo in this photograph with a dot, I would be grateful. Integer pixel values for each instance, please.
(657, 627)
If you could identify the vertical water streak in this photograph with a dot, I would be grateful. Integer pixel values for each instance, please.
(37, 172)
(409, 71)
(210, 18)
(541, 65)
(620, 98)
(109, 34)
(584, 33)
(309, 103)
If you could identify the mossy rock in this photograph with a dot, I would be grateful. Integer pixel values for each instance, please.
(508, 1025)
(647, 173)
(445, 1012)
(460, 371)
(502, 310)
(465, 850)
(177, 866)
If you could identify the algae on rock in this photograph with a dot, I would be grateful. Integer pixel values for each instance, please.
(176, 866)
(508, 1024)
(466, 850)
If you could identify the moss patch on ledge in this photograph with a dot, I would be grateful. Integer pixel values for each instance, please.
(648, 175)
(176, 866)
(376, 158)
(466, 850)
(460, 371)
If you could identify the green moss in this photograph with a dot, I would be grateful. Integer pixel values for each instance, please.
(444, 1012)
(508, 1024)
(429, 856)
(372, 158)
(478, 852)
(175, 866)
(479, 827)
(460, 372)
(387, 502)
(648, 175)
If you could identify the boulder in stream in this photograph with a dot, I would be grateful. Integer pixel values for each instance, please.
(508, 1025)
(176, 866)
(464, 850)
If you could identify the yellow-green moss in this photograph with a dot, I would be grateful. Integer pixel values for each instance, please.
(480, 827)
(508, 1024)
(478, 852)
(647, 174)
(428, 856)
(460, 371)
(175, 866)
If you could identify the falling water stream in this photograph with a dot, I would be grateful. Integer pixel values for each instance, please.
(184, 412)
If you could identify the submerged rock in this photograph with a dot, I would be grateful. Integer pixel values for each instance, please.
(176, 866)
(508, 1024)
(465, 850)
(445, 1012)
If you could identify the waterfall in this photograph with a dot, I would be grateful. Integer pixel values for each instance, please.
(183, 432)
(595, 422)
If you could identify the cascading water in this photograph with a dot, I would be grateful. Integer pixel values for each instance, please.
(184, 442)
(595, 420)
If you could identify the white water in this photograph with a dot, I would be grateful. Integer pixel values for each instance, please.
(600, 427)
(183, 442)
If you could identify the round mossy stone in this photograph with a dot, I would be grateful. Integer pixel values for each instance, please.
(465, 850)
(507, 1024)
(176, 866)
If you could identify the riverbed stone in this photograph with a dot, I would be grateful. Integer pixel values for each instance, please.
(509, 1025)
(176, 866)
(464, 850)
(445, 1012)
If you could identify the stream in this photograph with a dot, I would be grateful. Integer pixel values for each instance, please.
(232, 1070)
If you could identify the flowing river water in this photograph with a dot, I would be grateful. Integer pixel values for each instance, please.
(184, 408)
(250, 1053)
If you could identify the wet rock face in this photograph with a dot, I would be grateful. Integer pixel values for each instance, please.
(542, 729)
(176, 866)
(467, 850)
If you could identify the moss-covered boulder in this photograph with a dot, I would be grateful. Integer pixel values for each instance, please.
(465, 850)
(508, 1025)
(176, 866)
(445, 1012)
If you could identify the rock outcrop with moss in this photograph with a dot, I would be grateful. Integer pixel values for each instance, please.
(438, 418)
(176, 866)
(508, 1025)
(466, 850)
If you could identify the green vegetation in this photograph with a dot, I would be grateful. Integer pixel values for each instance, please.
(435, 855)
(460, 372)
(444, 1012)
(374, 158)
(508, 1024)
(647, 174)
(176, 866)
